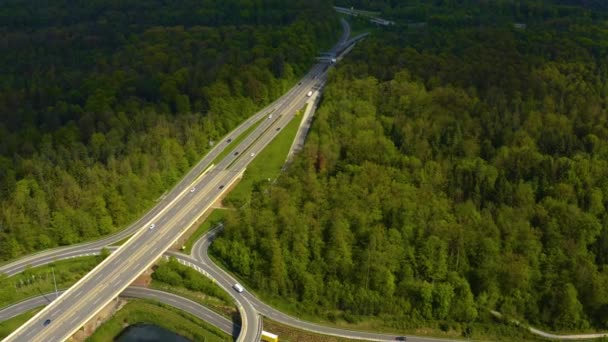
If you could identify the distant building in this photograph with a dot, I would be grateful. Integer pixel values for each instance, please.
(382, 22)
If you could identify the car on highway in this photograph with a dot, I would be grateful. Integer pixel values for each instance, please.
(270, 116)
(152, 226)
(47, 322)
(400, 338)
(236, 153)
(252, 154)
(278, 128)
(221, 186)
(238, 288)
(309, 94)
(193, 189)
(229, 140)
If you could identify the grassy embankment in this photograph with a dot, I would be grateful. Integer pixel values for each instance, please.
(143, 311)
(216, 216)
(267, 164)
(171, 276)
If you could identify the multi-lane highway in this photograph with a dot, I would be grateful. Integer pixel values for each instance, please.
(161, 228)
(174, 300)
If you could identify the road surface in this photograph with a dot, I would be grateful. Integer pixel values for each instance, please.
(175, 301)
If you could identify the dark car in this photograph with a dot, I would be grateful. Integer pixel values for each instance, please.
(229, 140)
(221, 186)
(47, 322)
(278, 128)
(235, 153)
(401, 338)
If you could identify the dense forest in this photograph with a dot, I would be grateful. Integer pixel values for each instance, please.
(104, 105)
(487, 13)
(448, 172)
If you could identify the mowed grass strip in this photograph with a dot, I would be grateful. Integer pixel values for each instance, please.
(267, 164)
(145, 311)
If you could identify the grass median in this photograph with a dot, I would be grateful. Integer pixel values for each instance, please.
(236, 141)
(145, 311)
(267, 164)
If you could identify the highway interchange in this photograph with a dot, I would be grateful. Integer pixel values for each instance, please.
(161, 227)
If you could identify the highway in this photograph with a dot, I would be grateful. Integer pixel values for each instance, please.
(175, 301)
(162, 227)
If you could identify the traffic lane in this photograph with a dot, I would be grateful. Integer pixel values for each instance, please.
(106, 292)
(173, 300)
(43, 260)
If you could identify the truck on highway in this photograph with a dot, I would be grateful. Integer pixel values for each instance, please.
(269, 337)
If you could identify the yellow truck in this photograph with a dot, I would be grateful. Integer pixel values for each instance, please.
(269, 337)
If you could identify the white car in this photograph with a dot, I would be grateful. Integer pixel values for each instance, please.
(152, 226)
(270, 116)
(252, 154)
(238, 288)
(193, 190)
